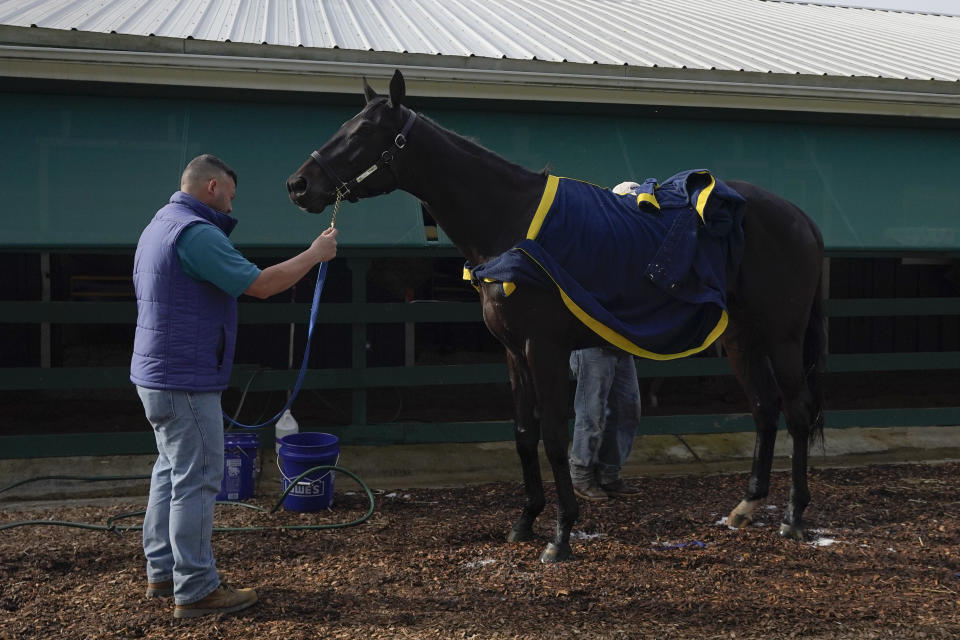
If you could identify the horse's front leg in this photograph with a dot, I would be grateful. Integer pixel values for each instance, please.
(548, 365)
(526, 431)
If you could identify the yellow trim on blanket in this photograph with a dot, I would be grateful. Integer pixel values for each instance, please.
(647, 197)
(620, 341)
(705, 195)
(508, 287)
(546, 201)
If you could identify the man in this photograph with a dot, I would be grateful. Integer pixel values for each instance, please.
(188, 276)
(607, 406)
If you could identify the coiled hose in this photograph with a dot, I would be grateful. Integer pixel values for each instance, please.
(120, 528)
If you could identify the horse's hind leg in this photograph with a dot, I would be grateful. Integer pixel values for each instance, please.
(787, 361)
(752, 369)
(527, 435)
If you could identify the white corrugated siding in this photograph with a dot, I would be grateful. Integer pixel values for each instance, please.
(740, 35)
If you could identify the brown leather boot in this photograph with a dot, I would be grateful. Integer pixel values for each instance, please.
(223, 600)
(159, 589)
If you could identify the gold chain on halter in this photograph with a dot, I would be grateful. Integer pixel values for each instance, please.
(336, 208)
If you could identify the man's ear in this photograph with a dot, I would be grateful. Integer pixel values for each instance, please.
(368, 92)
(398, 89)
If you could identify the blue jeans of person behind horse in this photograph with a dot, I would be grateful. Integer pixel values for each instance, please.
(607, 405)
(178, 524)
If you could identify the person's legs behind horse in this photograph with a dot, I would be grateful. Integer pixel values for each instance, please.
(594, 369)
(622, 419)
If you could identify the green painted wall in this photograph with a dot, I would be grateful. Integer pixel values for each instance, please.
(79, 171)
(91, 171)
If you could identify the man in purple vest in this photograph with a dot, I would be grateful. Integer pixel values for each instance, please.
(188, 276)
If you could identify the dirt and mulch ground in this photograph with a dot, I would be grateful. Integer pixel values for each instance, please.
(883, 561)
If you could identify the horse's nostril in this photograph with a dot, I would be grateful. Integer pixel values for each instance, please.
(298, 185)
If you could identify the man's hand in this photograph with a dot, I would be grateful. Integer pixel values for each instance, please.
(324, 246)
(282, 276)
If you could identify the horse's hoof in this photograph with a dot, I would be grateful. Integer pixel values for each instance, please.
(520, 534)
(742, 514)
(739, 520)
(554, 553)
(791, 532)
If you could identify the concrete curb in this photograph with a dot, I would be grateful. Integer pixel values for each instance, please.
(452, 465)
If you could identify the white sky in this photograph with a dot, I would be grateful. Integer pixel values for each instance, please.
(946, 7)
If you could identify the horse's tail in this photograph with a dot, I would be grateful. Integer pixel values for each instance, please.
(814, 362)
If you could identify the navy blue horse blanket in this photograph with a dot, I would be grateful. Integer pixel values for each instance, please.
(646, 271)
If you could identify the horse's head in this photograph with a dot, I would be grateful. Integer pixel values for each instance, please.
(358, 161)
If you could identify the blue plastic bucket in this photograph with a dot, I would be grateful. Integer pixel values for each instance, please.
(239, 466)
(300, 452)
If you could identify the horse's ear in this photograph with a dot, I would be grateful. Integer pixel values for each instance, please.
(368, 91)
(398, 89)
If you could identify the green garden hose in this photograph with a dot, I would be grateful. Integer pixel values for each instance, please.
(111, 526)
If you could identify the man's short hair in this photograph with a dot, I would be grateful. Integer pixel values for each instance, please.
(206, 167)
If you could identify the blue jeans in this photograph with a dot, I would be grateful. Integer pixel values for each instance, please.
(178, 525)
(607, 405)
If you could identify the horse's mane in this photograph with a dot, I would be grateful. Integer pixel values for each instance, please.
(477, 151)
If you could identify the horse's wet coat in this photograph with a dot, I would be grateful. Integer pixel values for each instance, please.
(774, 337)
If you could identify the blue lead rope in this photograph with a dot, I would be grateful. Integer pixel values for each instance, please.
(314, 307)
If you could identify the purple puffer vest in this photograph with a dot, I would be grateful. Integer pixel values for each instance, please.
(186, 330)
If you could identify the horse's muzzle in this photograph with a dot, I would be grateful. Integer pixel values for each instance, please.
(299, 190)
(297, 186)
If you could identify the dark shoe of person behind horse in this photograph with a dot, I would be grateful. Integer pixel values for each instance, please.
(620, 489)
(590, 491)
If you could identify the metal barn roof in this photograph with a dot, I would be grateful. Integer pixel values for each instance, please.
(738, 35)
(581, 44)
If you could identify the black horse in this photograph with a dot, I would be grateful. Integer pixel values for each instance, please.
(774, 339)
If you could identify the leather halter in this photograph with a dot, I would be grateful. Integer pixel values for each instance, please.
(386, 158)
